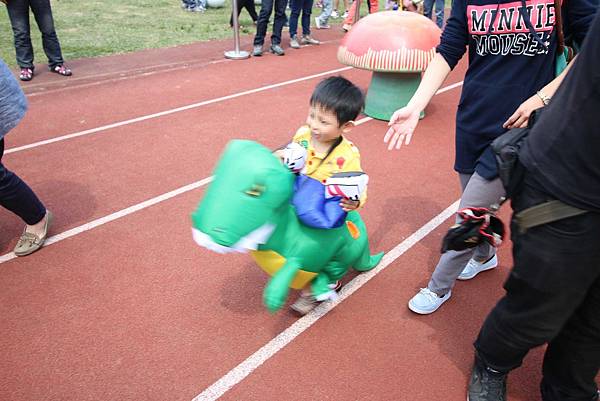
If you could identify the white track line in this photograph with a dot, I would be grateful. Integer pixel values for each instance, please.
(114, 216)
(240, 372)
(131, 209)
(167, 112)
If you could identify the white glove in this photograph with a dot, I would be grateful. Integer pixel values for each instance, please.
(348, 185)
(294, 156)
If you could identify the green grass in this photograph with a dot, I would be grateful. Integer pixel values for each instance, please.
(100, 27)
(89, 28)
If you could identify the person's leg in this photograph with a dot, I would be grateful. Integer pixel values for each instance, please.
(240, 4)
(18, 13)
(478, 192)
(439, 13)
(373, 6)
(43, 16)
(349, 20)
(572, 359)
(555, 274)
(279, 21)
(296, 6)
(306, 13)
(428, 8)
(16, 196)
(249, 4)
(266, 8)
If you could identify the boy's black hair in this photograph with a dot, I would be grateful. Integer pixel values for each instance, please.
(340, 96)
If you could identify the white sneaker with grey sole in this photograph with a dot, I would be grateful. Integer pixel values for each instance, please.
(473, 268)
(427, 301)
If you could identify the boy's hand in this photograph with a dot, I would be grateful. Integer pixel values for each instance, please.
(349, 205)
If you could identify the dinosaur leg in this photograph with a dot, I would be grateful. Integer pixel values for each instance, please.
(368, 261)
(322, 284)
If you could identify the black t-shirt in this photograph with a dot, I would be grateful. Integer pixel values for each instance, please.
(562, 153)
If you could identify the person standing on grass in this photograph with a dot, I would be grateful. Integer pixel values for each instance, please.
(502, 86)
(194, 5)
(266, 9)
(18, 12)
(298, 6)
(15, 195)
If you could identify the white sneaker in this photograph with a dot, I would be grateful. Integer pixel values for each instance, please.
(473, 268)
(427, 301)
(334, 14)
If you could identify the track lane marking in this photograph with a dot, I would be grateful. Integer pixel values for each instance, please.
(244, 369)
(153, 201)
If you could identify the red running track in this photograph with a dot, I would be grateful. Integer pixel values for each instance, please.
(124, 306)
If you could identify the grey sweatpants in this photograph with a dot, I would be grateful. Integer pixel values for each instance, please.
(476, 192)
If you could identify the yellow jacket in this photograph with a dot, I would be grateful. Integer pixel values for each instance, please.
(343, 158)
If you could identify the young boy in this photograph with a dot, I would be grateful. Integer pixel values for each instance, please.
(334, 105)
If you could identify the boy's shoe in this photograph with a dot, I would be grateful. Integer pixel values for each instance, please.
(345, 15)
(427, 301)
(29, 242)
(308, 40)
(473, 268)
(334, 14)
(257, 51)
(486, 384)
(294, 42)
(307, 301)
(277, 50)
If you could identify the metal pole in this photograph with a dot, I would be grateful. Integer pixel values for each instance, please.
(236, 54)
(357, 13)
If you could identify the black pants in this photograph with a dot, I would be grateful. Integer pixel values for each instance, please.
(249, 6)
(17, 197)
(552, 296)
(267, 7)
(18, 12)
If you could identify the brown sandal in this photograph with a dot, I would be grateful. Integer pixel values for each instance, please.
(26, 74)
(62, 70)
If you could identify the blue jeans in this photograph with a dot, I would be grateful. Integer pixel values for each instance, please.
(297, 6)
(18, 12)
(439, 11)
(16, 196)
(326, 12)
(267, 7)
(552, 296)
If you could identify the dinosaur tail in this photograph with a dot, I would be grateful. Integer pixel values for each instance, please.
(367, 261)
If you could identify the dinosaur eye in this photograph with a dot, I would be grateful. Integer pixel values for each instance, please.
(256, 190)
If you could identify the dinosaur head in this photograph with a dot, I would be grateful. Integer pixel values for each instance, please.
(238, 211)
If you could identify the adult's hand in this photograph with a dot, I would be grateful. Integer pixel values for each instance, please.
(520, 117)
(402, 125)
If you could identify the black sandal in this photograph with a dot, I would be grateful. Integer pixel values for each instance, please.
(62, 70)
(26, 74)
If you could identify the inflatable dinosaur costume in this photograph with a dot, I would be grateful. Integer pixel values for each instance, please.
(247, 208)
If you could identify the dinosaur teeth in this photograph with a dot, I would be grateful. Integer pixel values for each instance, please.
(243, 245)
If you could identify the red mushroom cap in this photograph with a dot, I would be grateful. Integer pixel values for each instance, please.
(390, 41)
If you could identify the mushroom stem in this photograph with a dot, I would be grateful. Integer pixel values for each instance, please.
(389, 91)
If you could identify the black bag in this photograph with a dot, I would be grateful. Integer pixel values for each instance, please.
(506, 148)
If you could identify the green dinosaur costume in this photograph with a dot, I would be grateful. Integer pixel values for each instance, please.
(247, 207)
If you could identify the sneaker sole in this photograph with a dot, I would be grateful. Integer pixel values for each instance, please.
(427, 312)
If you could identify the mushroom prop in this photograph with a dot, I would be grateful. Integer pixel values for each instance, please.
(397, 46)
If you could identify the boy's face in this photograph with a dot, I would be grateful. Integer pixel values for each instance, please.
(324, 125)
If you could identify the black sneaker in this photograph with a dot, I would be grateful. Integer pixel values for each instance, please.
(486, 384)
(278, 50)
